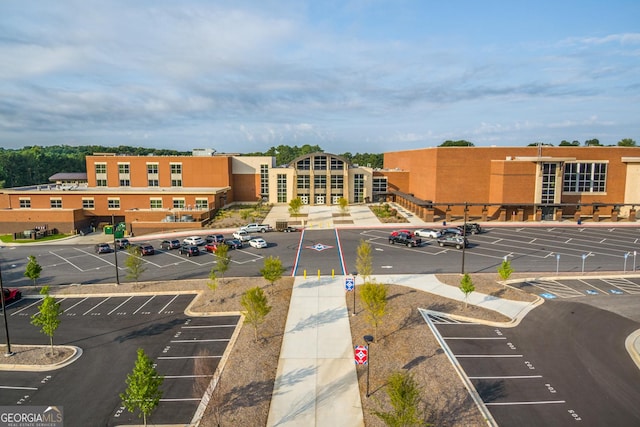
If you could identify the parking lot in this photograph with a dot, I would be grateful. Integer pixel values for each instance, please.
(109, 330)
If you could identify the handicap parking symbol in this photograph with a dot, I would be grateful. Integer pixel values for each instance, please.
(616, 291)
(548, 296)
(591, 292)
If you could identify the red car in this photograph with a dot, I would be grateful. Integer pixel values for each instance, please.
(211, 247)
(11, 295)
(397, 232)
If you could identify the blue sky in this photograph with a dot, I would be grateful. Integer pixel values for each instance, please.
(357, 76)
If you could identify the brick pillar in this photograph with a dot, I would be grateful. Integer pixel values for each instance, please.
(596, 215)
(503, 215)
(614, 215)
(428, 215)
(538, 215)
(558, 214)
(632, 215)
(485, 214)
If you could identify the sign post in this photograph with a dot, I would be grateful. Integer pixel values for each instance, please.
(350, 286)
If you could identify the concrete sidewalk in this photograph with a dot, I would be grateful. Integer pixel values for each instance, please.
(316, 382)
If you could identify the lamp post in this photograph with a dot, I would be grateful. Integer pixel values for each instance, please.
(4, 315)
(368, 339)
(557, 263)
(355, 277)
(584, 256)
(626, 255)
(464, 236)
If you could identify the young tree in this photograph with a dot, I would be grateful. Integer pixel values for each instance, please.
(256, 308)
(374, 300)
(404, 395)
(134, 263)
(505, 270)
(344, 206)
(223, 260)
(363, 260)
(466, 286)
(143, 387)
(294, 206)
(212, 283)
(272, 269)
(48, 315)
(33, 269)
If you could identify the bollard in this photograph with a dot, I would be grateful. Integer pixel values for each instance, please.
(318, 273)
(305, 274)
(333, 273)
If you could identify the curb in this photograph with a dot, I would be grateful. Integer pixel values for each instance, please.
(77, 352)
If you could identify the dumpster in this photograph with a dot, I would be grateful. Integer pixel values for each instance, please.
(108, 229)
(119, 234)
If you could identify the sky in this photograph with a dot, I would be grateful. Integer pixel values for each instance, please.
(359, 76)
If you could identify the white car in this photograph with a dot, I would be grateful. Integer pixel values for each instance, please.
(242, 235)
(258, 243)
(428, 232)
(193, 240)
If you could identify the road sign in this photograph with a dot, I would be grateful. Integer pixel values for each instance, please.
(361, 354)
(349, 283)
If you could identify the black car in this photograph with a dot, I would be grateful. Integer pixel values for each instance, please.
(405, 239)
(171, 244)
(122, 243)
(471, 228)
(143, 249)
(189, 250)
(453, 240)
(102, 248)
(233, 243)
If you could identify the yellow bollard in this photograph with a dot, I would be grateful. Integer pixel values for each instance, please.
(318, 273)
(333, 273)
(305, 274)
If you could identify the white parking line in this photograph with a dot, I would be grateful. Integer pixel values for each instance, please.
(591, 285)
(9, 387)
(188, 357)
(507, 377)
(29, 306)
(187, 399)
(208, 326)
(91, 309)
(67, 261)
(79, 302)
(140, 308)
(162, 309)
(119, 305)
(474, 338)
(459, 356)
(186, 376)
(535, 402)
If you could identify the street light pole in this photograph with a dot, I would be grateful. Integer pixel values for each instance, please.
(4, 315)
(464, 236)
(368, 339)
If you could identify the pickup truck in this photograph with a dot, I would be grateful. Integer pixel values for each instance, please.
(405, 239)
(256, 228)
(242, 235)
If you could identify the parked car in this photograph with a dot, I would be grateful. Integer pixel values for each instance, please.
(428, 232)
(405, 239)
(258, 243)
(242, 235)
(396, 232)
(214, 238)
(211, 247)
(11, 295)
(102, 248)
(471, 228)
(233, 243)
(122, 243)
(453, 240)
(170, 244)
(194, 240)
(289, 229)
(256, 228)
(451, 230)
(189, 250)
(146, 249)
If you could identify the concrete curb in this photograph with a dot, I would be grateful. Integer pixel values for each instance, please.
(632, 344)
(77, 352)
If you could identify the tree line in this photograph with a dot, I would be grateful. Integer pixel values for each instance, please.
(625, 142)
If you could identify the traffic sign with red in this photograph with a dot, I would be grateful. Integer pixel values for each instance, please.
(361, 354)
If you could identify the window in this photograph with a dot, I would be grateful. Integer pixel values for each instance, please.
(379, 184)
(337, 182)
(304, 182)
(320, 163)
(25, 203)
(320, 181)
(155, 203)
(548, 183)
(358, 188)
(585, 178)
(176, 183)
(264, 180)
(55, 203)
(336, 164)
(101, 182)
(176, 168)
(123, 168)
(282, 188)
(304, 164)
(101, 168)
(178, 203)
(153, 183)
(152, 168)
(88, 204)
(125, 183)
(113, 203)
(202, 204)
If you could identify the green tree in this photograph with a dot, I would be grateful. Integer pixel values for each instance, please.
(272, 269)
(364, 262)
(33, 269)
(48, 315)
(466, 286)
(505, 270)
(565, 143)
(374, 301)
(212, 283)
(627, 142)
(404, 395)
(458, 143)
(256, 308)
(143, 387)
(294, 206)
(344, 206)
(134, 263)
(223, 260)
(592, 143)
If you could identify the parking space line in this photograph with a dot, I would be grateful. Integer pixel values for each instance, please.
(185, 399)
(205, 340)
(98, 304)
(507, 377)
(188, 357)
(533, 402)
(474, 338)
(591, 285)
(79, 302)
(95, 256)
(480, 356)
(9, 387)
(67, 261)
(119, 305)
(172, 300)
(29, 306)
(140, 308)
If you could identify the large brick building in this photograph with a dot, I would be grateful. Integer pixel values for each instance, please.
(153, 193)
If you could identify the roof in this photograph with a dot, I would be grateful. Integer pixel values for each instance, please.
(80, 176)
